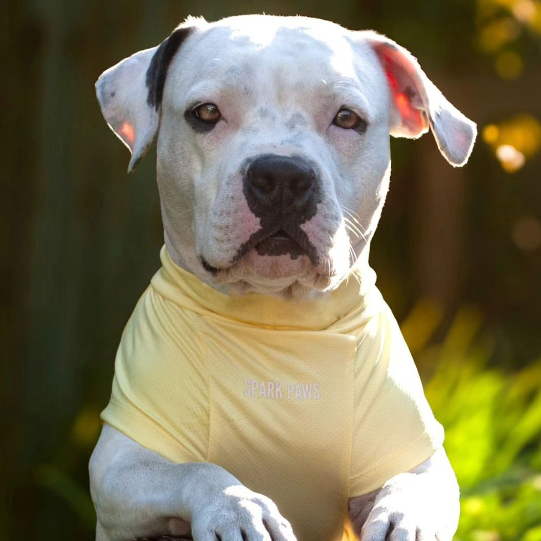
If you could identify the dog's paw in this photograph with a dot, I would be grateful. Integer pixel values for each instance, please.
(386, 525)
(238, 514)
(403, 511)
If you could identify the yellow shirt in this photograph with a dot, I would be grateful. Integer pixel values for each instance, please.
(309, 402)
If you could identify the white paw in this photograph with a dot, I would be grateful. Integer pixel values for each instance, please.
(403, 511)
(238, 514)
(386, 525)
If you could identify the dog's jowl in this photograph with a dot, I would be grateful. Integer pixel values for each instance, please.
(263, 390)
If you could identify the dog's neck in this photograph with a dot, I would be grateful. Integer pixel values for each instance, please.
(188, 261)
(316, 312)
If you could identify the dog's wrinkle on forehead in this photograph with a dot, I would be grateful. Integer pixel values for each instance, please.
(326, 109)
(235, 82)
(282, 71)
(240, 72)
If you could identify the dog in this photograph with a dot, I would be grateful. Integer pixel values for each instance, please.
(262, 389)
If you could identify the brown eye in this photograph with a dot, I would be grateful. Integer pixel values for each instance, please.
(348, 120)
(208, 112)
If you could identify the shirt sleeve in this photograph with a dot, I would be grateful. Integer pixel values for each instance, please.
(160, 392)
(394, 427)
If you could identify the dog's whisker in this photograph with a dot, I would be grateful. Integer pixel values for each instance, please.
(354, 230)
(354, 258)
(361, 234)
(352, 223)
(356, 233)
(356, 218)
(361, 231)
(353, 215)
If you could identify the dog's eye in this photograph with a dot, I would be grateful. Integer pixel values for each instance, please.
(349, 120)
(208, 112)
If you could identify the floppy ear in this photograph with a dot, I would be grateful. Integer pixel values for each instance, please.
(130, 94)
(418, 104)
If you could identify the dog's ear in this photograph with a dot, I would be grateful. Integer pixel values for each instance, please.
(418, 104)
(130, 93)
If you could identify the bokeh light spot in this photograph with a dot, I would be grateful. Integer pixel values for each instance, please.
(86, 427)
(536, 482)
(526, 233)
(473, 506)
(510, 158)
(495, 34)
(514, 140)
(490, 133)
(524, 10)
(509, 65)
(486, 535)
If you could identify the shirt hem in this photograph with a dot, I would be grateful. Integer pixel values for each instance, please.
(408, 458)
(145, 432)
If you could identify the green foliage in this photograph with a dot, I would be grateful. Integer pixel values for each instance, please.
(493, 436)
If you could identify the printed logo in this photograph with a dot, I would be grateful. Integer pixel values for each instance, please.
(278, 390)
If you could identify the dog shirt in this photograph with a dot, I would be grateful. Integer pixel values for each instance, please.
(307, 401)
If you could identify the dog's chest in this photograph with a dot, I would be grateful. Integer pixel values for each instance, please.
(281, 417)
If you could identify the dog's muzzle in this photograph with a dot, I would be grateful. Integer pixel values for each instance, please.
(283, 192)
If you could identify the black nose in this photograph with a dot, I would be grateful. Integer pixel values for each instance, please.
(279, 184)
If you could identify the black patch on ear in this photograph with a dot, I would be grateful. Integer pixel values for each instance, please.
(157, 71)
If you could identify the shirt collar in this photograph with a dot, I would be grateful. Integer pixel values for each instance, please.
(318, 312)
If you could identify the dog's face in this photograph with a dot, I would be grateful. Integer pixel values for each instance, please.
(273, 146)
(271, 134)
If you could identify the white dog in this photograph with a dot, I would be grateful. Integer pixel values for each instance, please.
(263, 390)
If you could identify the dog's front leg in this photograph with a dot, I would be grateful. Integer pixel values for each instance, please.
(137, 493)
(421, 505)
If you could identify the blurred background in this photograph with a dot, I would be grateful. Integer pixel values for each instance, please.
(458, 251)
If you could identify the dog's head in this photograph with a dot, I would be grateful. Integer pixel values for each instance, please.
(273, 146)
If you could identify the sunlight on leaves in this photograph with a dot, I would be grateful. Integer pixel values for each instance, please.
(525, 12)
(421, 323)
(492, 422)
(493, 425)
(503, 28)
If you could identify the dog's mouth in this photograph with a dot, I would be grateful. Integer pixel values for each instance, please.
(278, 243)
(208, 267)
